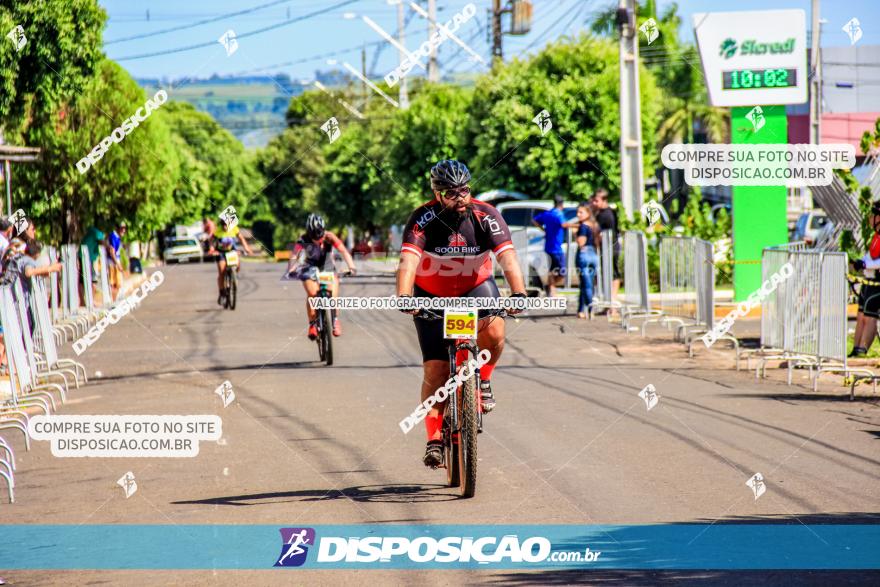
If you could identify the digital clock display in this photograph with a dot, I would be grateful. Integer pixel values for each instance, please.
(751, 79)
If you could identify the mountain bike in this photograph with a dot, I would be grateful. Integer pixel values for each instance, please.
(323, 322)
(463, 417)
(230, 279)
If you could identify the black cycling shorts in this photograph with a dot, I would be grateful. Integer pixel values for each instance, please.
(434, 346)
(869, 300)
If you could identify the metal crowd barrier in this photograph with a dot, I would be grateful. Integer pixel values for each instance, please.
(605, 275)
(635, 278)
(36, 372)
(47, 351)
(687, 289)
(811, 314)
(772, 307)
(107, 300)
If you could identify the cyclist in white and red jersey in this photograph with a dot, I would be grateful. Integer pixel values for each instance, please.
(446, 250)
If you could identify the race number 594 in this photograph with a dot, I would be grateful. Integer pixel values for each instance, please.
(459, 324)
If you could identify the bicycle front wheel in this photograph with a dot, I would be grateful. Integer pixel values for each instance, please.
(467, 438)
(327, 339)
(233, 289)
(226, 289)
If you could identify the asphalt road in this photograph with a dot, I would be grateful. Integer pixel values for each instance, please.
(569, 443)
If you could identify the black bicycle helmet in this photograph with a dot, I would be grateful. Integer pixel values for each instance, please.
(449, 174)
(315, 226)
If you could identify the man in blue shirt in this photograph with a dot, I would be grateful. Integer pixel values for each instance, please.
(114, 265)
(552, 223)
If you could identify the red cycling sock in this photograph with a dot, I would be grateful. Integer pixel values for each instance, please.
(433, 424)
(486, 372)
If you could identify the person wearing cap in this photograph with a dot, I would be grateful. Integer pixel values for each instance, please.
(114, 247)
(869, 294)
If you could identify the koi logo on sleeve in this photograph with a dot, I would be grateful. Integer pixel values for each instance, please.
(490, 221)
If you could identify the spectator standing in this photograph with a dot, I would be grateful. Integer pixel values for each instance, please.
(25, 266)
(606, 218)
(208, 230)
(134, 257)
(552, 222)
(587, 259)
(30, 233)
(114, 248)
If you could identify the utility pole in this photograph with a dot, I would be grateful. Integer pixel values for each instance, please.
(433, 72)
(365, 94)
(403, 96)
(496, 29)
(631, 183)
(816, 81)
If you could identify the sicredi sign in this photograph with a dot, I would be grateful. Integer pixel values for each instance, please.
(754, 57)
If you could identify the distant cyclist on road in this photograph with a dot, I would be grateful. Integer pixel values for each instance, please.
(223, 241)
(445, 253)
(313, 253)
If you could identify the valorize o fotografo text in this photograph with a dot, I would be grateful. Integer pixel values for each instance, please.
(420, 303)
(128, 125)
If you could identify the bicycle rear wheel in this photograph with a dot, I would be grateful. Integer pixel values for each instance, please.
(327, 338)
(450, 453)
(467, 441)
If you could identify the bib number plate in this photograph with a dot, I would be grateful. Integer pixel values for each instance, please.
(232, 258)
(458, 324)
(326, 277)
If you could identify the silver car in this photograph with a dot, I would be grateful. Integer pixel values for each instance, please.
(182, 250)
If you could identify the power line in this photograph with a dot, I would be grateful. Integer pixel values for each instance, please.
(241, 36)
(195, 24)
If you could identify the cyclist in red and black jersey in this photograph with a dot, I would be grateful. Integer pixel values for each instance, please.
(446, 250)
(311, 254)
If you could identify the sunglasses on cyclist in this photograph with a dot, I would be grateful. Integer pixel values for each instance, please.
(455, 194)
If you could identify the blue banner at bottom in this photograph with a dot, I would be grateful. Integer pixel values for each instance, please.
(675, 546)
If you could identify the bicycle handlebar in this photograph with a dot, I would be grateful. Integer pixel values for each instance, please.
(426, 314)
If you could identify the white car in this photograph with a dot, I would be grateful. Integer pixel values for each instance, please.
(182, 250)
(518, 216)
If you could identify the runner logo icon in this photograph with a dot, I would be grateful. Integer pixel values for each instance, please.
(294, 547)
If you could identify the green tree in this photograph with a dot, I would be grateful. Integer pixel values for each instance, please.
(577, 82)
(134, 180)
(61, 54)
(218, 171)
(427, 132)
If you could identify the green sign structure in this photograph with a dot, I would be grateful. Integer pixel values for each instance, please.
(759, 212)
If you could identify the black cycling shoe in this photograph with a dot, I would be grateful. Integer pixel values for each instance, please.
(220, 300)
(433, 454)
(858, 353)
(486, 397)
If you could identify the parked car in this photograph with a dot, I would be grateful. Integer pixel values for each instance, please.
(182, 250)
(809, 225)
(496, 197)
(518, 216)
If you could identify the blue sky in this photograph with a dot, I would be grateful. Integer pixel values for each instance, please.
(329, 35)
